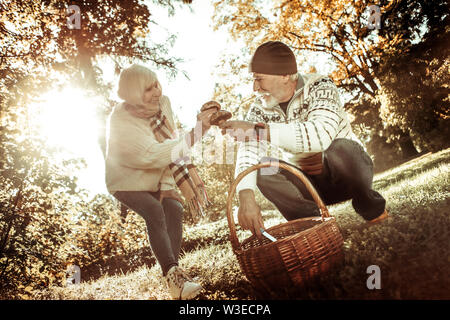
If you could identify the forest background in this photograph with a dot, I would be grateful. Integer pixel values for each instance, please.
(394, 80)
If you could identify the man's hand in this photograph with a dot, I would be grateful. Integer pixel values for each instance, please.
(249, 214)
(171, 194)
(239, 130)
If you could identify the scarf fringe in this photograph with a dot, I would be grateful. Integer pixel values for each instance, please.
(197, 206)
(195, 209)
(205, 196)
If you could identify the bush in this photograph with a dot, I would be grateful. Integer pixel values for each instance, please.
(32, 225)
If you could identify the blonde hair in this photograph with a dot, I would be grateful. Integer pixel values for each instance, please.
(132, 83)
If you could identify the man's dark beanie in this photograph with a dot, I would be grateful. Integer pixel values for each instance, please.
(273, 57)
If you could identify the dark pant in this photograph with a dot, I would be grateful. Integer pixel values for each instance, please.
(347, 174)
(164, 223)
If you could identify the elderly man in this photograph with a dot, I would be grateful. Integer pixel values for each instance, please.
(303, 116)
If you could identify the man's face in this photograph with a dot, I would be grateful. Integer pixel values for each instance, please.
(270, 86)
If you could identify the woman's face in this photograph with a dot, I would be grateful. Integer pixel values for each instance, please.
(152, 94)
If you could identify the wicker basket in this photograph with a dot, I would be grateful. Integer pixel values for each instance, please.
(305, 248)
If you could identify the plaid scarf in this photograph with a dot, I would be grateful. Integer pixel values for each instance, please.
(183, 171)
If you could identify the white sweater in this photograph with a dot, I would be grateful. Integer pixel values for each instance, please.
(135, 160)
(314, 118)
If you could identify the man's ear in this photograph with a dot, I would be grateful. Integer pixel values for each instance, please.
(285, 78)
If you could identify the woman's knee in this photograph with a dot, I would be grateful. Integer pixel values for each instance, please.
(172, 206)
(154, 215)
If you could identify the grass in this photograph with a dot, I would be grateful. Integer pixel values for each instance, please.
(412, 249)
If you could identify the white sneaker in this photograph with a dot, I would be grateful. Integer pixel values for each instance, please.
(181, 286)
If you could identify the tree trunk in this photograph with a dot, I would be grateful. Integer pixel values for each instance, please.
(407, 146)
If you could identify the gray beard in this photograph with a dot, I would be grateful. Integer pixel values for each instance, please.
(270, 102)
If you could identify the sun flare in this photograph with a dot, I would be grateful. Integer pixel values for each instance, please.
(67, 119)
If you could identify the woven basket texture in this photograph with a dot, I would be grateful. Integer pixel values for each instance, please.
(305, 248)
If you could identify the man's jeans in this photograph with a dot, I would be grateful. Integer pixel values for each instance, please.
(347, 174)
(164, 223)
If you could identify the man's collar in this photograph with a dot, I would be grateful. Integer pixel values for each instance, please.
(299, 86)
(300, 82)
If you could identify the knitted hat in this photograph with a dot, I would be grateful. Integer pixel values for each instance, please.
(273, 57)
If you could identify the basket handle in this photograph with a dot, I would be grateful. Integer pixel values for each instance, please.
(233, 236)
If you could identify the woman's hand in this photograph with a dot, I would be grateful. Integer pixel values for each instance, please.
(203, 122)
(171, 194)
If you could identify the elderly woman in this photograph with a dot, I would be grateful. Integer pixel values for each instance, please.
(144, 167)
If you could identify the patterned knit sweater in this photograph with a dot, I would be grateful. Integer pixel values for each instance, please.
(314, 118)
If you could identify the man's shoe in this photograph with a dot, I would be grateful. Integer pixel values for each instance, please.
(181, 286)
(380, 218)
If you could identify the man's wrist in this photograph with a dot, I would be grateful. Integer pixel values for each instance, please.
(246, 194)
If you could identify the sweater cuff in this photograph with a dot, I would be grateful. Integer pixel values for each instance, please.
(166, 186)
(248, 182)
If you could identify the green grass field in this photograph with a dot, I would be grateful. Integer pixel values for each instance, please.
(412, 249)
